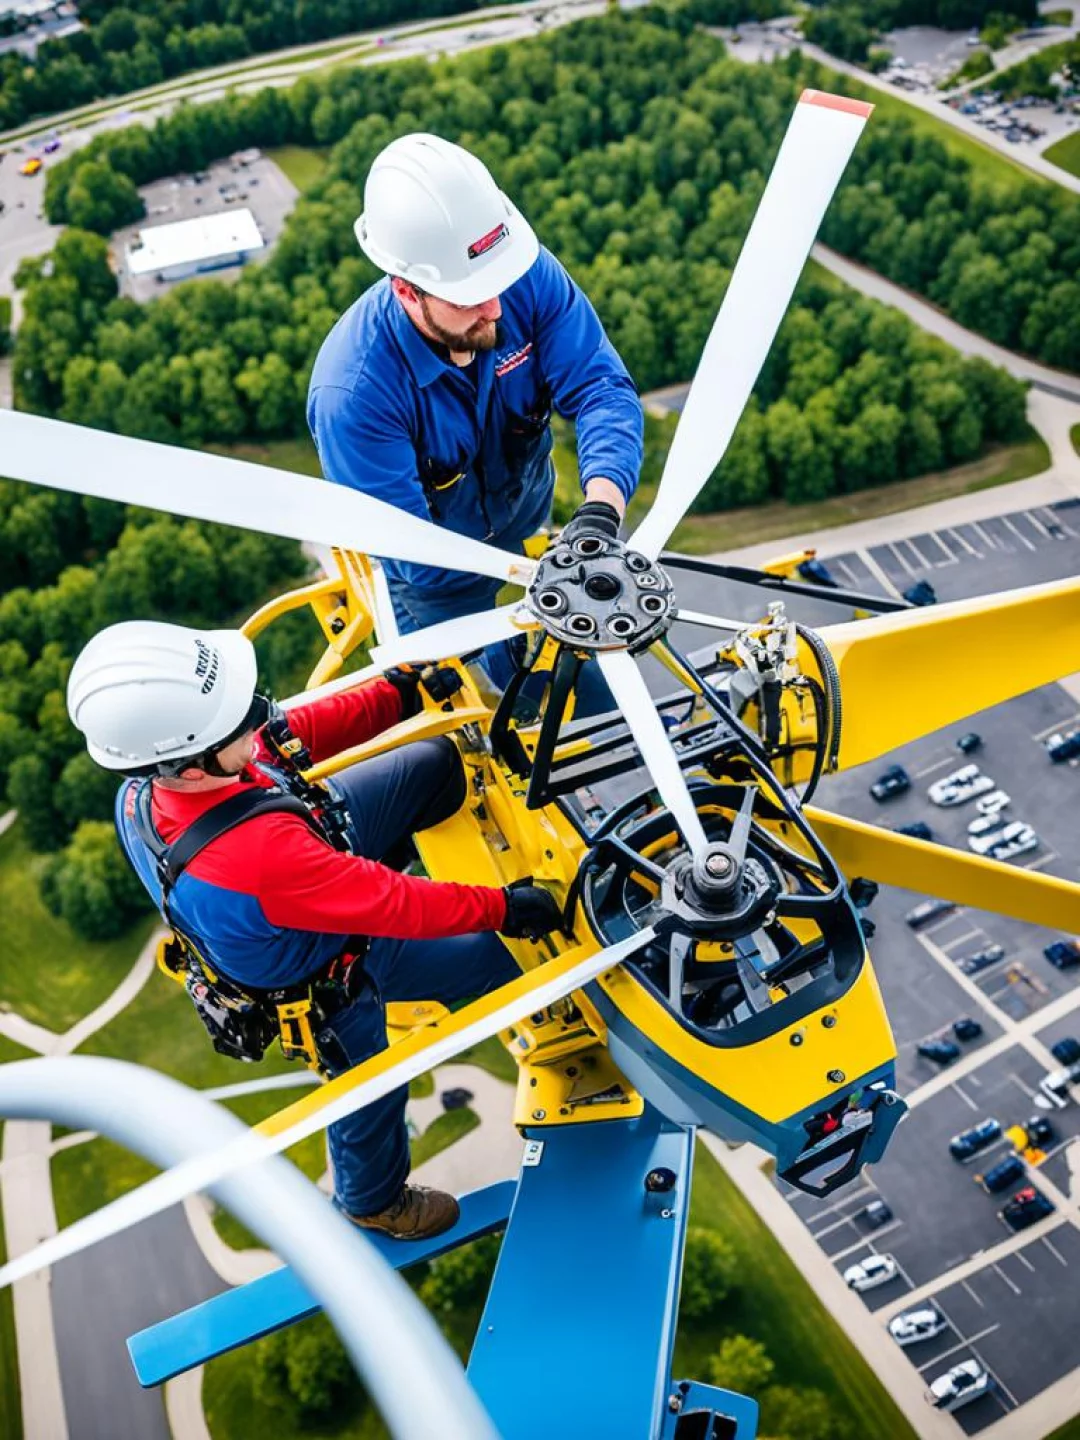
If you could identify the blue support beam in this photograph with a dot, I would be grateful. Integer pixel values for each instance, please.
(251, 1311)
(577, 1334)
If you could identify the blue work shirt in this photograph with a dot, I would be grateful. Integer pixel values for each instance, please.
(469, 447)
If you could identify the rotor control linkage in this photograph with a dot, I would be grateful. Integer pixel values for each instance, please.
(721, 892)
(592, 593)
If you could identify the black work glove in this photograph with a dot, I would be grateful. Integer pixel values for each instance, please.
(595, 517)
(407, 683)
(530, 911)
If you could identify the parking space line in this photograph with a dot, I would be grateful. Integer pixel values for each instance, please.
(965, 1097)
(926, 564)
(1053, 518)
(977, 554)
(1025, 1261)
(1022, 538)
(962, 939)
(1057, 725)
(1022, 1084)
(999, 1383)
(870, 1240)
(974, 1295)
(1038, 864)
(1010, 1283)
(937, 765)
(845, 570)
(879, 574)
(1030, 516)
(988, 540)
(963, 1345)
(950, 558)
(1055, 1251)
(819, 1214)
(900, 558)
(836, 1225)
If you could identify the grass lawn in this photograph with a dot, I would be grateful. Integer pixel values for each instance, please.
(303, 165)
(1074, 436)
(1069, 1431)
(443, 1131)
(1065, 153)
(47, 973)
(297, 455)
(10, 1051)
(774, 1305)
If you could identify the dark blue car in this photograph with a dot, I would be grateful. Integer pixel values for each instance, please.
(944, 1052)
(918, 830)
(1063, 954)
(967, 1029)
(1002, 1175)
(970, 1142)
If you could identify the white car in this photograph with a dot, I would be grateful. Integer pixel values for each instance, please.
(986, 825)
(873, 1271)
(1015, 839)
(992, 803)
(915, 1325)
(962, 785)
(959, 1386)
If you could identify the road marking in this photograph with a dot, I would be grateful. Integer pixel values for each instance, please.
(926, 564)
(937, 765)
(1040, 862)
(879, 574)
(963, 1345)
(1039, 525)
(901, 559)
(974, 1295)
(974, 1080)
(966, 1098)
(1053, 518)
(836, 1225)
(1010, 1283)
(870, 1240)
(838, 1204)
(988, 540)
(960, 540)
(1026, 1264)
(852, 578)
(950, 558)
(964, 938)
(1022, 538)
(1057, 725)
(1023, 1086)
(1055, 1251)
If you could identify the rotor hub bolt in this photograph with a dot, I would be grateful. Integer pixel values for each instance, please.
(593, 594)
(836, 1077)
(719, 866)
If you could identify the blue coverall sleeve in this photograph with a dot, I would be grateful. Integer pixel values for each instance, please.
(589, 382)
(364, 443)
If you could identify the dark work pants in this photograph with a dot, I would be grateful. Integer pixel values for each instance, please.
(389, 798)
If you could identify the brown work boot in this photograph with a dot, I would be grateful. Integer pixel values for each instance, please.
(416, 1214)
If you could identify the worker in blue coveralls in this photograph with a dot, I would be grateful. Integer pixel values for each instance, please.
(434, 390)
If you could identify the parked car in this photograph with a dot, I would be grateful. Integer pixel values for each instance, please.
(967, 1029)
(869, 1273)
(1027, 1207)
(969, 742)
(984, 832)
(1058, 747)
(915, 1325)
(51, 146)
(817, 572)
(876, 1214)
(970, 1142)
(1040, 1133)
(992, 803)
(959, 1386)
(1000, 1176)
(1063, 954)
(942, 1052)
(1057, 1084)
(921, 593)
(918, 830)
(1014, 840)
(1066, 1051)
(891, 782)
(927, 911)
(980, 960)
(33, 165)
(962, 785)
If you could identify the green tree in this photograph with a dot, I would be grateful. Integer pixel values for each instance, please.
(30, 791)
(709, 1273)
(303, 1370)
(740, 1364)
(91, 885)
(788, 1413)
(101, 199)
(85, 790)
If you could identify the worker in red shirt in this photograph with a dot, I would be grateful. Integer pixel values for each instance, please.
(277, 887)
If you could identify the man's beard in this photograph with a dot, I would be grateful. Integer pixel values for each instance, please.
(483, 335)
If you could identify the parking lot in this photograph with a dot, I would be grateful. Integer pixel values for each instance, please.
(1015, 1310)
(260, 186)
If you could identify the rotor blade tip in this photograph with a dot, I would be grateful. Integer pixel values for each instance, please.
(861, 108)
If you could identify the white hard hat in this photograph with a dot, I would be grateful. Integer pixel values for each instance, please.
(434, 216)
(145, 693)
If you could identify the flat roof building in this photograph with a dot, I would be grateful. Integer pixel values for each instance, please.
(190, 247)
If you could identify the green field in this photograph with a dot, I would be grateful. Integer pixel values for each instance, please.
(1069, 1431)
(1065, 153)
(1074, 436)
(301, 164)
(47, 973)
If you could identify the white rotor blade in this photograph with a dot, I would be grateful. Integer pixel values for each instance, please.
(456, 637)
(202, 1170)
(711, 622)
(632, 696)
(235, 492)
(817, 146)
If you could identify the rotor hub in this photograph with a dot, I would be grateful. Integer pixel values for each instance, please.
(594, 594)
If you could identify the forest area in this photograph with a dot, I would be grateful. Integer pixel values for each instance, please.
(638, 150)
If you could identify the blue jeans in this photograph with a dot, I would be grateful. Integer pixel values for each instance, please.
(416, 608)
(389, 798)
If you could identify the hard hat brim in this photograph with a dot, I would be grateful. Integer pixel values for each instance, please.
(486, 282)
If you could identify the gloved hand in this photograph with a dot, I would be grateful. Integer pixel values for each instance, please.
(406, 682)
(530, 911)
(595, 517)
